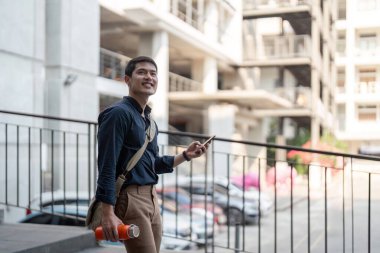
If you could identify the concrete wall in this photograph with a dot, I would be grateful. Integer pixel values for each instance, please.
(41, 44)
(72, 47)
(22, 54)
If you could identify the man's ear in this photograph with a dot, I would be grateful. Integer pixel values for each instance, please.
(126, 79)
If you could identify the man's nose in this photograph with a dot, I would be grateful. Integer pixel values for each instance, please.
(148, 76)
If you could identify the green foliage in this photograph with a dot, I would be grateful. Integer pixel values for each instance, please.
(328, 138)
(301, 138)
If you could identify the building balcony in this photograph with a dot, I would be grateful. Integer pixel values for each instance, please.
(275, 8)
(187, 13)
(112, 65)
(185, 91)
(367, 52)
(271, 4)
(368, 88)
(179, 83)
(279, 50)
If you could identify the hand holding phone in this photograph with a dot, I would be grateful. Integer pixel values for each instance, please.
(209, 140)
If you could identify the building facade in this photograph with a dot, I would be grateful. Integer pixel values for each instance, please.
(358, 75)
(289, 50)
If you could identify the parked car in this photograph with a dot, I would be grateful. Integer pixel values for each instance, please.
(59, 198)
(183, 199)
(196, 227)
(63, 215)
(229, 197)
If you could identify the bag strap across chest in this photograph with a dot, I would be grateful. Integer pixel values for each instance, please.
(149, 136)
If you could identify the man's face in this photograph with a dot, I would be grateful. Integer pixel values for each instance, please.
(143, 80)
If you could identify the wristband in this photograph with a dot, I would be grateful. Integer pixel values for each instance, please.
(185, 156)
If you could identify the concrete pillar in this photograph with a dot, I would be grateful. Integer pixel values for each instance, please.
(211, 20)
(215, 117)
(22, 56)
(206, 71)
(72, 53)
(259, 133)
(315, 77)
(156, 45)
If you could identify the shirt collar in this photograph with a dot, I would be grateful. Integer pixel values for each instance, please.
(137, 106)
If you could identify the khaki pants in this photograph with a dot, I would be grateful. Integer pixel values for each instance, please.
(138, 205)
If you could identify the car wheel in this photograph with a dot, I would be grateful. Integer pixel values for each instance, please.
(234, 216)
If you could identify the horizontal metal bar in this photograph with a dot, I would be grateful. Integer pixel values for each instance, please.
(270, 145)
(47, 117)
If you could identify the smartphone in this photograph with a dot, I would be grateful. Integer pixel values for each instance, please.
(209, 139)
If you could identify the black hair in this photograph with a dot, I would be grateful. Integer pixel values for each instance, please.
(133, 62)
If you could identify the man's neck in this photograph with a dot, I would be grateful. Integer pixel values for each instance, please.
(142, 100)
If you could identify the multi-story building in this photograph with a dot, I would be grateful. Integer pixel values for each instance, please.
(358, 74)
(289, 51)
(225, 66)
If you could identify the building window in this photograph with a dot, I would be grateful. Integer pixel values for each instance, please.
(367, 43)
(367, 113)
(341, 80)
(341, 114)
(341, 44)
(342, 9)
(106, 100)
(367, 80)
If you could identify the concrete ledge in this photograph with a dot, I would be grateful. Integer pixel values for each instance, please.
(33, 238)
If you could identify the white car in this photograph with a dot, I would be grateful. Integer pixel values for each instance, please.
(59, 198)
(231, 198)
(181, 224)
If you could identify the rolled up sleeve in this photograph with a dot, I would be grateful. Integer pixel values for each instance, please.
(164, 164)
(112, 128)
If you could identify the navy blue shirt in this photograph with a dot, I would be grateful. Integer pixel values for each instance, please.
(121, 134)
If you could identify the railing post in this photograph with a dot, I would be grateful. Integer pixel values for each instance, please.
(237, 238)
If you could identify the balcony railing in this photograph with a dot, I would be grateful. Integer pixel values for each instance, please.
(277, 47)
(187, 13)
(368, 52)
(180, 83)
(266, 4)
(368, 88)
(112, 65)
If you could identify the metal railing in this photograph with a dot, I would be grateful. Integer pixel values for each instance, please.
(309, 201)
(112, 66)
(261, 4)
(180, 83)
(368, 88)
(282, 46)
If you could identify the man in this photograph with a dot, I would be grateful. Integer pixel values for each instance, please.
(121, 133)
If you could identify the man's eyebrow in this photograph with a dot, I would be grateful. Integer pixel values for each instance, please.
(145, 69)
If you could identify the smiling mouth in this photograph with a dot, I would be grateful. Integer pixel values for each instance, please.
(148, 84)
